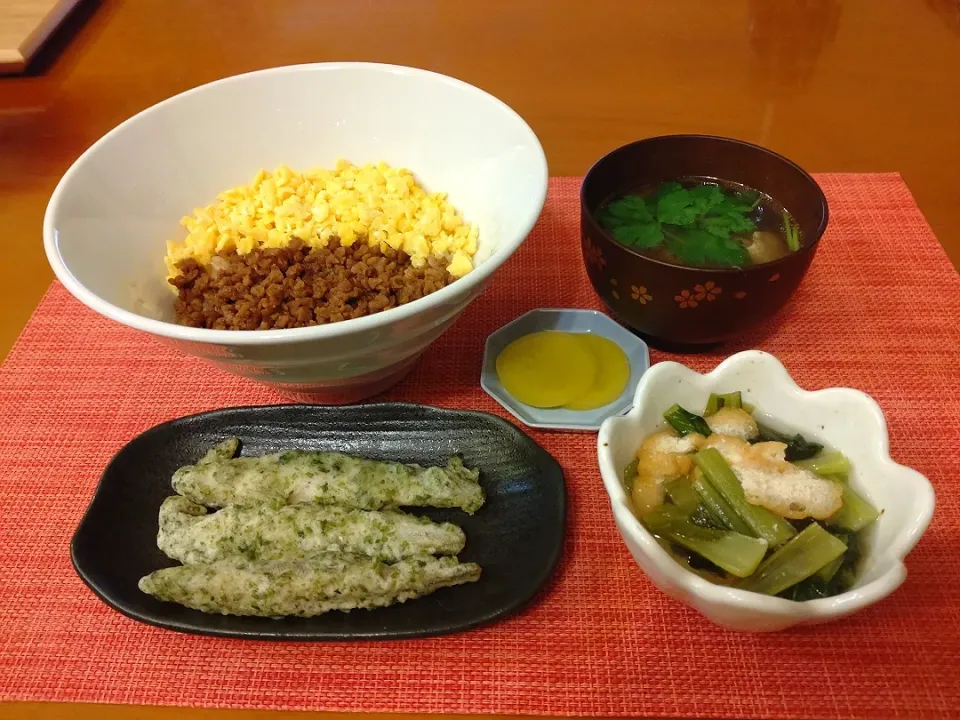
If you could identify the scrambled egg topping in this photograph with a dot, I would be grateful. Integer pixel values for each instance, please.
(375, 204)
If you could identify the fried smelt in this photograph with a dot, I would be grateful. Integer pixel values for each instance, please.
(191, 535)
(304, 588)
(327, 478)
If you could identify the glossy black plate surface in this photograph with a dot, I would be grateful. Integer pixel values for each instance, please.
(516, 537)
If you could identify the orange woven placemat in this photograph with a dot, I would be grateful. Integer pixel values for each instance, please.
(880, 310)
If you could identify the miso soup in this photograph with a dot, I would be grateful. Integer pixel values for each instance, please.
(702, 222)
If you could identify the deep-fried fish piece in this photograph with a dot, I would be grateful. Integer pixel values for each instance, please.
(223, 450)
(305, 587)
(190, 535)
(326, 478)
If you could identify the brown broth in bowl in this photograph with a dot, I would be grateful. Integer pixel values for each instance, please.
(701, 222)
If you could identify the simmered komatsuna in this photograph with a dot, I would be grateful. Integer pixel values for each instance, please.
(743, 505)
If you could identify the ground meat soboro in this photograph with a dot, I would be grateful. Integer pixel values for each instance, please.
(297, 286)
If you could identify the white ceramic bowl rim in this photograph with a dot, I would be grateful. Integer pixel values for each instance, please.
(278, 337)
(856, 598)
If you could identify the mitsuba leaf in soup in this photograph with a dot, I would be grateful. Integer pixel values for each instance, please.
(700, 248)
(701, 222)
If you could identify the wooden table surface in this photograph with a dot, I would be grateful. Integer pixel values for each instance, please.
(24, 26)
(851, 85)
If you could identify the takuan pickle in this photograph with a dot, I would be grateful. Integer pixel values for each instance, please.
(552, 369)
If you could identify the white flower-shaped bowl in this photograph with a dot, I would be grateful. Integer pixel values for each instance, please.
(841, 418)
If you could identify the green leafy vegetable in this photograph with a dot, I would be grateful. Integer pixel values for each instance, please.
(705, 197)
(834, 578)
(666, 188)
(813, 588)
(630, 222)
(713, 404)
(732, 400)
(855, 514)
(645, 236)
(762, 522)
(681, 493)
(827, 463)
(827, 572)
(677, 208)
(717, 509)
(721, 226)
(699, 247)
(697, 225)
(684, 421)
(628, 209)
(738, 554)
(798, 447)
(797, 560)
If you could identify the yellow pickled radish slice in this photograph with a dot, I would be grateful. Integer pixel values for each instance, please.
(613, 372)
(546, 369)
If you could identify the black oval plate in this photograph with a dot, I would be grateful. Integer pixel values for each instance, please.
(516, 537)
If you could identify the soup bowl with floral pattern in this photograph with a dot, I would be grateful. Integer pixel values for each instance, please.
(674, 305)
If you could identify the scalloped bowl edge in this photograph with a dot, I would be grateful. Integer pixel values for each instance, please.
(848, 419)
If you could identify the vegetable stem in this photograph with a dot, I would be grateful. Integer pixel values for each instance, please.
(731, 400)
(713, 404)
(738, 554)
(790, 233)
(797, 560)
(718, 509)
(763, 523)
(827, 572)
(828, 463)
(681, 492)
(855, 514)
